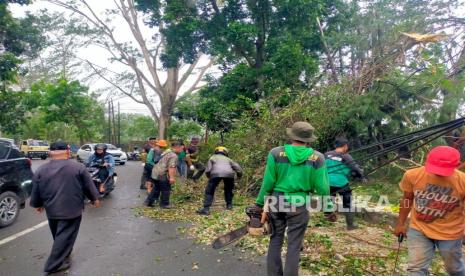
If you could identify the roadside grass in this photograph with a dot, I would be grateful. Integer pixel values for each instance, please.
(328, 248)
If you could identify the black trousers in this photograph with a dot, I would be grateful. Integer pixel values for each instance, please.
(200, 170)
(296, 224)
(161, 189)
(211, 187)
(345, 193)
(144, 178)
(64, 233)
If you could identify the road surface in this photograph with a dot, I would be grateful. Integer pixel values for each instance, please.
(112, 241)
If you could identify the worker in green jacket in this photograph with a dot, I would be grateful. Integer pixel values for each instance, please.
(292, 173)
(341, 166)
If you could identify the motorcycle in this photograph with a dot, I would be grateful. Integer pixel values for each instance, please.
(134, 155)
(105, 187)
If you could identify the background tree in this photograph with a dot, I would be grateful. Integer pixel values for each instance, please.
(17, 38)
(67, 103)
(137, 127)
(143, 82)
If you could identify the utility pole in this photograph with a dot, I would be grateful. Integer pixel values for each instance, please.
(109, 123)
(113, 119)
(119, 126)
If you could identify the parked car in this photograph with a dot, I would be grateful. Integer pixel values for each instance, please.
(15, 182)
(87, 150)
(8, 141)
(35, 148)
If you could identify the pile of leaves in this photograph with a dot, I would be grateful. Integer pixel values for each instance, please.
(328, 248)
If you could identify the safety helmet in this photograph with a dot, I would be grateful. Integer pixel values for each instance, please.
(221, 149)
(162, 143)
(101, 146)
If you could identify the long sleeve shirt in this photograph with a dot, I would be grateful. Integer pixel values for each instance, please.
(61, 186)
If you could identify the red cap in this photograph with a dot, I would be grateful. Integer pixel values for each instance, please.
(442, 160)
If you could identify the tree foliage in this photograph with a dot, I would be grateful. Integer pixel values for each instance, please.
(65, 103)
(18, 37)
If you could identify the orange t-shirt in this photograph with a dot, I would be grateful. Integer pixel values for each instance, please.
(438, 204)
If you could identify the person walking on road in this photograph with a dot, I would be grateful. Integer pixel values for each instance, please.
(220, 168)
(60, 187)
(292, 172)
(436, 192)
(341, 166)
(164, 176)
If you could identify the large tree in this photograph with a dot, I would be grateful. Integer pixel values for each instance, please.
(155, 74)
(17, 38)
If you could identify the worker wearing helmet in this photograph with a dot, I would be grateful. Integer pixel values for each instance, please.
(220, 168)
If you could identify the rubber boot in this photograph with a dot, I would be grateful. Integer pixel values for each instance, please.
(350, 221)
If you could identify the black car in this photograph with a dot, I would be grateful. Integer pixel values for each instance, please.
(15, 182)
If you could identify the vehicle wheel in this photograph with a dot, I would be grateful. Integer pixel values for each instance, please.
(9, 208)
(122, 163)
(43, 157)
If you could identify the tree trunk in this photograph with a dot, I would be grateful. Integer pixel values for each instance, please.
(163, 123)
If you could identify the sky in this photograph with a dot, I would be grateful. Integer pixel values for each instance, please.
(100, 56)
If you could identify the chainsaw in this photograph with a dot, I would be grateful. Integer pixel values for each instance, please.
(257, 225)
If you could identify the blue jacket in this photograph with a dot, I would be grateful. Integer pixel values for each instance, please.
(108, 158)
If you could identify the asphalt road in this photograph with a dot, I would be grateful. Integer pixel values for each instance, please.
(112, 241)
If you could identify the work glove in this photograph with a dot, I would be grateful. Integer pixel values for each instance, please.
(192, 167)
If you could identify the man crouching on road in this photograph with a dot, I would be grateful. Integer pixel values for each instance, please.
(436, 192)
(292, 172)
(59, 187)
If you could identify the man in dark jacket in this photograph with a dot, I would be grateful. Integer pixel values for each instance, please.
(59, 187)
(220, 168)
(341, 166)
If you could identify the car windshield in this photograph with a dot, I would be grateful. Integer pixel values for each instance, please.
(110, 146)
(42, 143)
(33, 143)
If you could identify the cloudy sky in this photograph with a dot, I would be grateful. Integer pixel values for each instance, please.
(98, 55)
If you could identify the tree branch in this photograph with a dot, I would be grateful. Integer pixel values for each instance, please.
(113, 84)
(199, 77)
(191, 68)
(215, 6)
(130, 16)
(328, 52)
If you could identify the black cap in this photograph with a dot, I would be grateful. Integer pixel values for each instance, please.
(340, 142)
(59, 145)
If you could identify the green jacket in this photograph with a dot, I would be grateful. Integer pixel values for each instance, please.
(153, 157)
(296, 171)
(340, 167)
